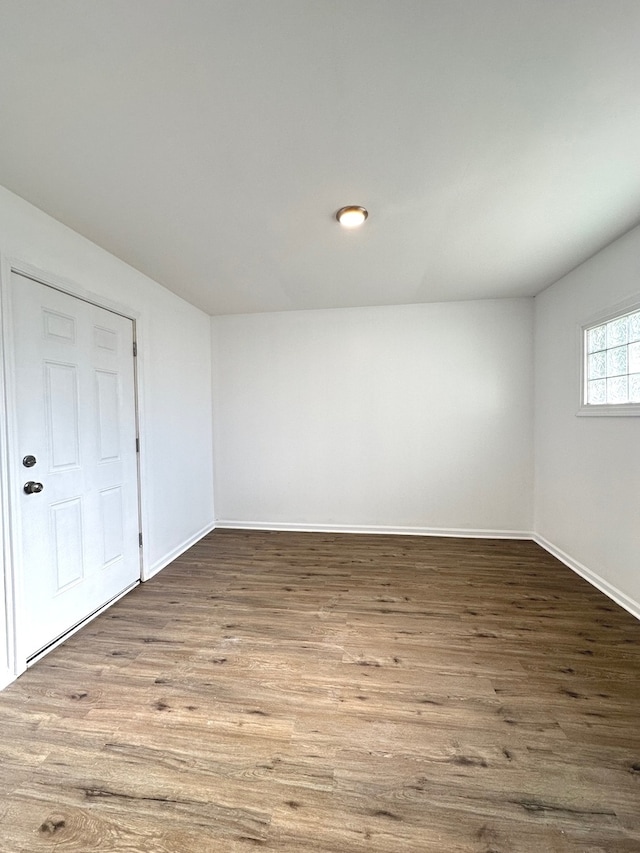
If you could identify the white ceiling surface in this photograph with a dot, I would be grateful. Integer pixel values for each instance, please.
(496, 143)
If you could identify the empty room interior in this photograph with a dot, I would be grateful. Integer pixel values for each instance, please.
(320, 426)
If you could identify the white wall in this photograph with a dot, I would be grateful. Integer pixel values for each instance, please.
(587, 504)
(405, 417)
(175, 363)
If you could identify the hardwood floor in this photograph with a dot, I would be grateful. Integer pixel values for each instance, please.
(312, 692)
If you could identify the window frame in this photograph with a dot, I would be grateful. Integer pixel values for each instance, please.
(629, 306)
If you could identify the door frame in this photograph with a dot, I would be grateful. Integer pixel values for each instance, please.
(11, 585)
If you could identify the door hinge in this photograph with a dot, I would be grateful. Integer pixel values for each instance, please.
(140, 540)
(137, 445)
(135, 349)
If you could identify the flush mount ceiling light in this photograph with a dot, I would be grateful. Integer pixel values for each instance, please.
(351, 216)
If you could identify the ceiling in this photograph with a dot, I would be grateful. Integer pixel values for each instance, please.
(208, 143)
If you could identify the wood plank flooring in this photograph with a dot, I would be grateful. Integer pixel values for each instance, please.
(334, 693)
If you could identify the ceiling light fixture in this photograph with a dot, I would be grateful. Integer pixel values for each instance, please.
(351, 216)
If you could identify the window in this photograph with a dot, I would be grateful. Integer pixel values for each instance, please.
(611, 364)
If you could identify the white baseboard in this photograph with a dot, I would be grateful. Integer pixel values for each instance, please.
(176, 552)
(375, 529)
(633, 607)
(592, 577)
(629, 604)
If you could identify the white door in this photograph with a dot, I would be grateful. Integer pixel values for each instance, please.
(75, 398)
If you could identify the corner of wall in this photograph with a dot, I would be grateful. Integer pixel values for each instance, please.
(586, 470)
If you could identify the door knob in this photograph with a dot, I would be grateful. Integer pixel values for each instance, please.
(32, 488)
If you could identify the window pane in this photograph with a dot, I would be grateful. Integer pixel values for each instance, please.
(611, 353)
(597, 392)
(634, 358)
(617, 390)
(617, 332)
(596, 338)
(597, 365)
(616, 361)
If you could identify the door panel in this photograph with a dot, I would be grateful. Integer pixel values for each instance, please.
(66, 533)
(75, 398)
(108, 407)
(61, 401)
(112, 525)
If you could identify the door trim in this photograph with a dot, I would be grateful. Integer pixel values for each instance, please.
(11, 586)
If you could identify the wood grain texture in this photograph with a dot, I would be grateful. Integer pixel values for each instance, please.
(334, 693)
